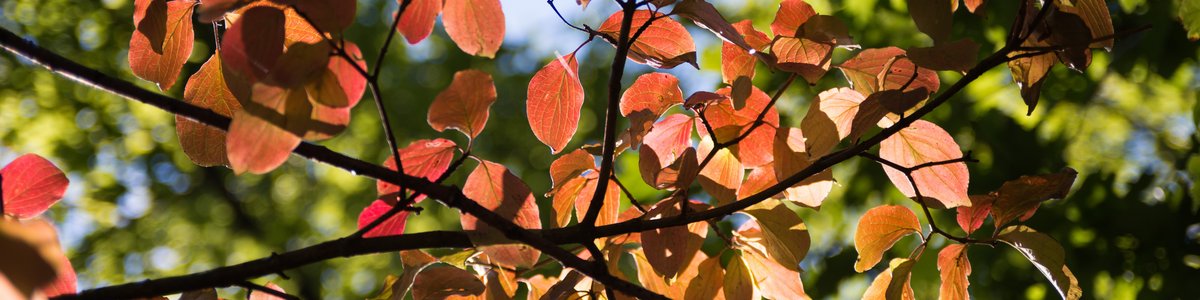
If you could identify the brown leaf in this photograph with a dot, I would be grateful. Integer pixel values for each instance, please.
(414, 261)
(739, 279)
(501, 284)
(953, 56)
(668, 250)
(933, 17)
(879, 229)
(447, 282)
(789, 17)
(1017, 197)
(925, 142)
(883, 104)
(866, 70)
(1047, 255)
(893, 283)
(722, 177)
(476, 26)
(497, 189)
(664, 44)
(464, 105)
(163, 40)
(955, 268)
(706, 16)
(1030, 72)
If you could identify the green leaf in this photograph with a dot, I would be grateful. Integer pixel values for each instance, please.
(1189, 15)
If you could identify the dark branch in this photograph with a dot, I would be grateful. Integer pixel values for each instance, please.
(254, 287)
(610, 117)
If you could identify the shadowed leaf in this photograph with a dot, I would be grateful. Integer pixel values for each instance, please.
(162, 42)
(1047, 255)
(464, 105)
(1022, 195)
(893, 283)
(664, 44)
(497, 189)
(207, 88)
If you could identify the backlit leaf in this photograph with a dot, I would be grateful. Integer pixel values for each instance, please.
(828, 30)
(262, 135)
(414, 262)
(739, 279)
(1030, 72)
(500, 284)
(886, 103)
(300, 64)
(866, 68)
(708, 281)
(393, 225)
(790, 158)
(651, 92)
(957, 56)
(1095, 14)
(973, 5)
(809, 58)
(565, 194)
(1047, 255)
(774, 281)
(722, 177)
(925, 142)
(31, 185)
(569, 166)
(464, 105)
(879, 229)
(970, 218)
(554, 99)
(162, 42)
(955, 268)
(497, 189)
(728, 123)
(1022, 195)
(670, 249)
(340, 85)
(418, 19)
(933, 17)
(254, 42)
(612, 201)
(829, 119)
(213, 10)
(664, 44)
(476, 26)
(26, 264)
(777, 230)
(207, 88)
(893, 283)
(789, 17)
(447, 282)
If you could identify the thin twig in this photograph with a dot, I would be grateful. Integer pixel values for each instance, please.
(254, 287)
(634, 201)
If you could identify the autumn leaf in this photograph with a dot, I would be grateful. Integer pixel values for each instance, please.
(1098, 20)
(957, 55)
(212, 10)
(1022, 195)
(660, 160)
(955, 268)
(414, 262)
(790, 158)
(498, 190)
(728, 123)
(867, 69)
(464, 105)
(827, 30)
(670, 249)
(777, 232)
(418, 19)
(27, 264)
(555, 97)
(722, 177)
(789, 17)
(207, 88)
(773, 280)
(970, 218)
(300, 64)
(31, 184)
(651, 92)
(886, 103)
(1029, 72)
(664, 44)
(162, 42)
(612, 200)
(569, 166)
(879, 229)
(933, 17)
(706, 16)
(476, 26)
(340, 85)
(925, 142)
(808, 58)
(739, 279)
(327, 15)
(392, 226)
(709, 279)
(893, 283)
(829, 119)
(1047, 255)
(563, 198)
(262, 136)
(446, 282)
(251, 46)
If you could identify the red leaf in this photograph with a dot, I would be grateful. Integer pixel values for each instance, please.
(612, 200)
(808, 58)
(326, 15)
(735, 63)
(476, 26)
(664, 44)
(555, 97)
(829, 119)
(669, 138)
(651, 92)
(728, 123)
(925, 142)
(207, 88)
(300, 64)
(464, 105)
(254, 42)
(1019, 197)
(263, 135)
(427, 159)
(864, 70)
(162, 42)
(341, 85)
(393, 226)
(31, 185)
(791, 14)
(418, 19)
(954, 267)
(324, 122)
(497, 189)
(971, 217)
(669, 250)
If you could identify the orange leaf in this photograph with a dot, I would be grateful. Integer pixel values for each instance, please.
(829, 119)
(722, 177)
(427, 159)
(973, 5)
(569, 166)
(739, 279)
(893, 283)
(773, 280)
(1022, 195)
(666, 145)
(670, 249)
(886, 103)
(925, 142)
(418, 19)
(464, 105)
(776, 232)
(554, 99)
(971, 217)
(789, 17)
(808, 58)
(392, 226)
(263, 135)
(1047, 255)
(865, 70)
(878, 230)
(710, 277)
(476, 26)
(612, 200)
(954, 267)
(957, 55)
(664, 44)
(414, 261)
(162, 42)
(340, 85)
(497, 189)
(31, 185)
(790, 158)
(207, 88)
(565, 195)
(27, 264)
(728, 123)
(254, 42)
(735, 63)
(447, 282)
(653, 93)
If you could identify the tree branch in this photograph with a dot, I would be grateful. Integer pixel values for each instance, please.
(254, 287)
(610, 116)
(908, 173)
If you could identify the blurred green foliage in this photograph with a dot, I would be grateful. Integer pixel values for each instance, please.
(138, 209)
